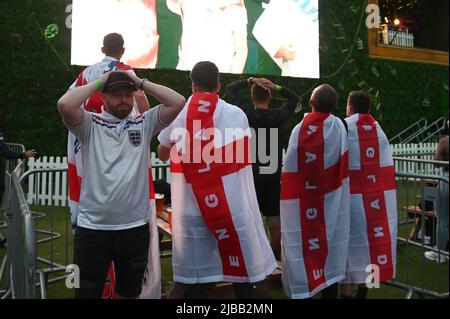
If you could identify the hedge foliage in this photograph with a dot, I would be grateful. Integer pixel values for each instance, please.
(36, 71)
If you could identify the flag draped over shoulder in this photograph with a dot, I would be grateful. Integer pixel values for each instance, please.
(373, 230)
(315, 206)
(151, 288)
(217, 229)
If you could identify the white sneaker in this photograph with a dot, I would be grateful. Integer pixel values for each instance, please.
(434, 256)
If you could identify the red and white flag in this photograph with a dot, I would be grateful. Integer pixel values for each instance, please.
(151, 288)
(217, 230)
(315, 206)
(373, 228)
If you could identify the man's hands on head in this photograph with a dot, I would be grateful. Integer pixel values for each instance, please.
(172, 102)
(69, 104)
(264, 83)
(105, 77)
(137, 80)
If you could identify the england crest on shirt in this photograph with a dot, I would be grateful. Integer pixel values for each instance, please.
(135, 137)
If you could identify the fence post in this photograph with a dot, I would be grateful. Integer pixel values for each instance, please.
(31, 166)
(64, 189)
(57, 196)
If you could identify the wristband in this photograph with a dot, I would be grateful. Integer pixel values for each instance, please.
(250, 81)
(98, 85)
(141, 85)
(277, 87)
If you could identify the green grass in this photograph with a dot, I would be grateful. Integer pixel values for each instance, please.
(412, 267)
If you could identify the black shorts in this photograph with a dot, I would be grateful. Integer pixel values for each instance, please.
(95, 249)
(268, 189)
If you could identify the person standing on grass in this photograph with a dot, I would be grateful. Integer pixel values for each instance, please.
(373, 202)
(315, 202)
(264, 119)
(217, 230)
(113, 48)
(116, 215)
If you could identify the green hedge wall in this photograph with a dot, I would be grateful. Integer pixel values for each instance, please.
(36, 71)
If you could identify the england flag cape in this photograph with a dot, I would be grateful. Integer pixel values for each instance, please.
(217, 230)
(315, 206)
(373, 228)
(151, 288)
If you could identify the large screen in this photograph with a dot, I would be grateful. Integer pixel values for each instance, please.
(268, 37)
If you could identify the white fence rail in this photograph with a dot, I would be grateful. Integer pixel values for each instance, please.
(51, 189)
(423, 151)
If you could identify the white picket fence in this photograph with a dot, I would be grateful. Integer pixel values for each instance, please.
(424, 151)
(393, 36)
(48, 189)
(51, 189)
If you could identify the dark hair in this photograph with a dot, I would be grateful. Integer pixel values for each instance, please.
(205, 75)
(113, 44)
(259, 94)
(359, 102)
(325, 99)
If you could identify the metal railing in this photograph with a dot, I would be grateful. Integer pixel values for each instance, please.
(432, 131)
(53, 267)
(404, 135)
(422, 201)
(23, 237)
(21, 248)
(420, 166)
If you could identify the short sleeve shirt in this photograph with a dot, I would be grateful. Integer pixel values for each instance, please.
(116, 157)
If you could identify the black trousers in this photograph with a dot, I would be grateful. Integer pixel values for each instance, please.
(95, 249)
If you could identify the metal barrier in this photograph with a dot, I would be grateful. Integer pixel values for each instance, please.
(432, 131)
(57, 261)
(422, 201)
(10, 166)
(404, 135)
(419, 166)
(417, 275)
(21, 248)
(56, 255)
(24, 235)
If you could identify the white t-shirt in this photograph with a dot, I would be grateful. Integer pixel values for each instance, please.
(115, 191)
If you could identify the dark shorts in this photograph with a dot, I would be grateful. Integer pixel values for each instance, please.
(268, 189)
(95, 249)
